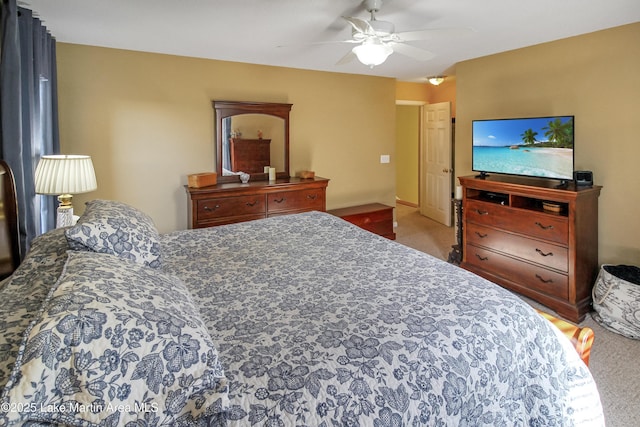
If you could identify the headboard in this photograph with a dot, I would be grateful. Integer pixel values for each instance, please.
(9, 237)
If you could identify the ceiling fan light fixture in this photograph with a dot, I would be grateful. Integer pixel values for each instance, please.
(372, 52)
(435, 80)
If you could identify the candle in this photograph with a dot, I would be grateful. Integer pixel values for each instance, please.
(459, 192)
(266, 169)
(272, 174)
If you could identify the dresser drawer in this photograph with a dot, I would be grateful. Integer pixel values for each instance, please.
(231, 202)
(534, 224)
(300, 200)
(370, 218)
(230, 206)
(228, 220)
(546, 254)
(523, 273)
(374, 217)
(377, 222)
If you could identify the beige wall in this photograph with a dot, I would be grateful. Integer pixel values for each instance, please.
(410, 91)
(426, 92)
(445, 92)
(146, 119)
(407, 149)
(594, 77)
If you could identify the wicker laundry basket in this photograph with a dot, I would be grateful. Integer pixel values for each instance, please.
(616, 299)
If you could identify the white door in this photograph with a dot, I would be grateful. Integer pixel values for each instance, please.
(435, 163)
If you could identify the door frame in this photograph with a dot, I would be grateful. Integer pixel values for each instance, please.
(421, 139)
(422, 136)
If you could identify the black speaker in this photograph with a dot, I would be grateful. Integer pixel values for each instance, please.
(583, 178)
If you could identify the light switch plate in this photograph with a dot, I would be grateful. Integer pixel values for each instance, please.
(385, 158)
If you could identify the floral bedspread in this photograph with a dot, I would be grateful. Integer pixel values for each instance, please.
(22, 294)
(319, 323)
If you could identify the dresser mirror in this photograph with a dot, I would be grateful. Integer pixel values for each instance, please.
(249, 137)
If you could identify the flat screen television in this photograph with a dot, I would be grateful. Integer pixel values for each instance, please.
(539, 147)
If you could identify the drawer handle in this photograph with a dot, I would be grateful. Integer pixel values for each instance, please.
(481, 235)
(252, 203)
(543, 280)
(481, 258)
(544, 227)
(207, 208)
(479, 212)
(544, 254)
(280, 200)
(312, 196)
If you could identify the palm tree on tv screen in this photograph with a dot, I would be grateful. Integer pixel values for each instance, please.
(559, 134)
(529, 136)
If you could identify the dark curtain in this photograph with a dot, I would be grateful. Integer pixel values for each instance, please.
(28, 112)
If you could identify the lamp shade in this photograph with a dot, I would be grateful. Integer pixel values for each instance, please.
(65, 174)
(372, 52)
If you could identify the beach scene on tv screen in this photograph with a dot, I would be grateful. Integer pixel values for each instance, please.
(533, 146)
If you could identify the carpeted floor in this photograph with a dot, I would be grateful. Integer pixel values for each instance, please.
(422, 233)
(615, 360)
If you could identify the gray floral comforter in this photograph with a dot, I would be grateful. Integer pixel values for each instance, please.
(318, 323)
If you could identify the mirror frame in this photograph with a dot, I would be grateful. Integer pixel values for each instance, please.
(224, 109)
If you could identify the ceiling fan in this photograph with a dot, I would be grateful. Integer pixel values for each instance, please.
(376, 39)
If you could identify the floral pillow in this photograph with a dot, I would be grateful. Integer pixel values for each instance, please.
(118, 229)
(115, 343)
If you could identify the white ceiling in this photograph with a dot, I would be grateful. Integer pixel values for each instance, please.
(279, 32)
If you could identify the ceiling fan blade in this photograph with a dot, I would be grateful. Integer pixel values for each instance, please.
(412, 51)
(350, 41)
(360, 25)
(335, 42)
(350, 56)
(338, 23)
(429, 34)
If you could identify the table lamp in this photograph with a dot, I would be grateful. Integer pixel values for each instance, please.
(64, 175)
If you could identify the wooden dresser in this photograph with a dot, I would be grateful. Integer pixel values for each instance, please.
(374, 217)
(250, 155)
(235, 202)
(533, 238)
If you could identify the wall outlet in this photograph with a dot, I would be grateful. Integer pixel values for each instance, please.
(385, 158)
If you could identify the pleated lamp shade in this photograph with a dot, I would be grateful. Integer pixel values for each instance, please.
(65, 174)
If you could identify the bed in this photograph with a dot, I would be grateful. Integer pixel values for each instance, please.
(298, 320)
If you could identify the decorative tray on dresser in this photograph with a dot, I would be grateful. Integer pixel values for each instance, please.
(533, 238)
(235, 202)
